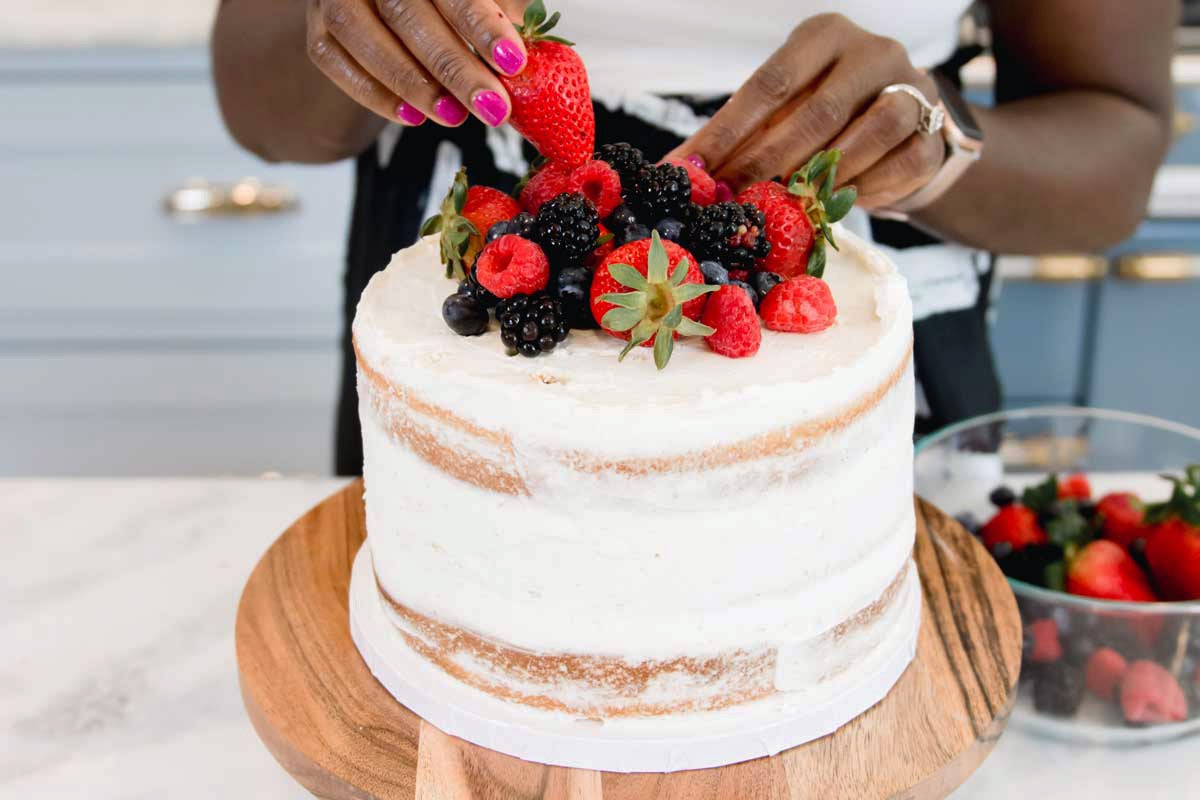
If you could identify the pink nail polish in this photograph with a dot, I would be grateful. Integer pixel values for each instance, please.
(491, 107)
(696, 160)
(409, 115)
(508, 57)
(724, 191)
(449, 110)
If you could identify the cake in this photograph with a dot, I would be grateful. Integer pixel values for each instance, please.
(608, 541)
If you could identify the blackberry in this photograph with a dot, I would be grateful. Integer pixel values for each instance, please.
(572, 287)
(531, 324)
(1058, 689)
(471, 287)
(567, 228)
(659, 190)
(729, 232)
(1029, 563)
(1002, 496)
(464, 316)
(623, 157)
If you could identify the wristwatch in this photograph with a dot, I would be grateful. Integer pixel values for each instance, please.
(964, 146)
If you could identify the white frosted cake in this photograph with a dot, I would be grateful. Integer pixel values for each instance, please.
(603, 540)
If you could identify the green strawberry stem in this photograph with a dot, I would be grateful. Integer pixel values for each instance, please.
(813, 184)
(536, 27)
(456, 229)
(654, 305)
(1184, 501)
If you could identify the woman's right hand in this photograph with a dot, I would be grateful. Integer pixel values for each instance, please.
(407, 60)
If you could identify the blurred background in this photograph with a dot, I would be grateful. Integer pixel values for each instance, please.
(169, 304)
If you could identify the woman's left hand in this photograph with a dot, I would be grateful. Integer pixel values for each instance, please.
(821, 89)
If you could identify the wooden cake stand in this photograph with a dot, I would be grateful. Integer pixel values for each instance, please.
(340, 734)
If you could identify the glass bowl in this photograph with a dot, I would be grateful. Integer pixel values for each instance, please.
(958, 467)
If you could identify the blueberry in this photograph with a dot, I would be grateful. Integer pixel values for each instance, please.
(501, 228)
(573, 276)
(765, 282)
(621, 218)
(749, 290)
(632, 234)
(464, 316)
(669, 228)
(1002, 496)
(714, 273)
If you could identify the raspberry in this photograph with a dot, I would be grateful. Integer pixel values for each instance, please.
(802, 304)
(732, 314)
(704, 188)
(1150, 694)
(1104, 672)
(598, 182)
(511, 265)
(545, 184)
(1045, 644)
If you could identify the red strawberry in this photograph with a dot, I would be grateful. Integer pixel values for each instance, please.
(646, 286)
(799, 215)
(1122, 518)
(511, 265)
(802, 304)
(551, 101)
(486, 206)
(1014, 525)
(1150, 694)
(1074, 487)
(1173, 550)
(730, 312)
(742, 275)
(598, 182)
(1046, 646)
(602, 250)
(1105, 570)
(1105, 669)
(463, 220)
(545, 183)
(704, 187)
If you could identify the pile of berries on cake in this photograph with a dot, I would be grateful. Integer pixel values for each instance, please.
(1056, 536)
(608, 238)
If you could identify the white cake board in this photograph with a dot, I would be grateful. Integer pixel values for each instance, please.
(691, 741)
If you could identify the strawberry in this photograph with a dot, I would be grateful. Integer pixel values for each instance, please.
(551, 101)
(1173, 541)
(542, 184)
(1105, 669)
(598, 182)
(646, 286)
(704, 187)
(802, 304)
(511, 265)
(1122, 518)
(1074, 487)
(606, 245)
(799, 215)
(1046, 646)
(1106, 571)
(463, 220)
(730, 312)
(1013, 525)
(1150, 694)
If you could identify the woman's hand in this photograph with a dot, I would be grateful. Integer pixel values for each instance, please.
(821, 89)
(411, 59)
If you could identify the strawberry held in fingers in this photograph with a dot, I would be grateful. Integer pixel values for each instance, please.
(1104, 570)
(551, 100)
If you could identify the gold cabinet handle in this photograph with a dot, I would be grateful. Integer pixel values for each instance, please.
(1158, 267)
(245, 197)
(1056, 268)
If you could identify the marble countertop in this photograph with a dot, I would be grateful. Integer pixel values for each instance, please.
(117, 669)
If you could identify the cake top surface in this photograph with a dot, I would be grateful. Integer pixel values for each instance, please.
(400, 334)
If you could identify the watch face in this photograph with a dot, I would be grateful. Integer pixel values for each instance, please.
(957, 108)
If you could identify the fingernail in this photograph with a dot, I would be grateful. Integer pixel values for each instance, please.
(491, 107)
(724, 191)
(508, 57)
(696, 160)
(409, 115)
(449, 110)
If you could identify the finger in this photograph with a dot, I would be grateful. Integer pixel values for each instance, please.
(807, 53)
(890, 120)
(469, 83)
(376, 49)
(484, 25)
(349, 76)
(902, 172)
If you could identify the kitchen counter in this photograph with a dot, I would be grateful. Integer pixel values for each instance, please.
(117, 670)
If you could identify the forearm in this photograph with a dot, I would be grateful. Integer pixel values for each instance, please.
(275, 102)
(1063, 171)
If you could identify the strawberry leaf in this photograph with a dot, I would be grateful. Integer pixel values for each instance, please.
(673, 318)
(689, 327)
(680, 272)
(657, 261)
(664, 345)
(1069, 527)
(1055, 576)
(690, 291)
(1041, 496)
(816, 260)
(431, 225)
(840, 203)
(622, 319)
(626, 275)
(625, 299)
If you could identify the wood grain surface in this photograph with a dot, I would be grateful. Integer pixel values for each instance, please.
(340, 734)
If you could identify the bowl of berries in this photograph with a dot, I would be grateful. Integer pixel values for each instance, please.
(1094, 517)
